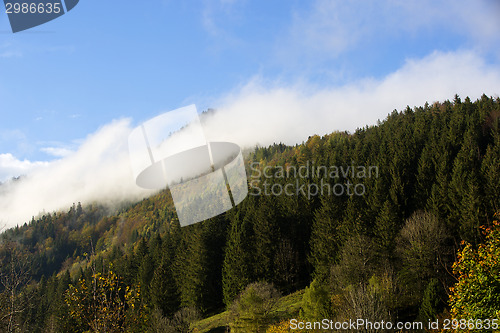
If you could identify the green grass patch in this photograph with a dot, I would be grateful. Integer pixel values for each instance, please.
(287, 307)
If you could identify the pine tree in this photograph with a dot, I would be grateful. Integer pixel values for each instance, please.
(198, 265)
(286, 267)
(432, 302)
(265, 238)
(464, 191)
(386, 228)
(237, 269)
(490, 171)
(325, 238)
(164, 295)
(145, 274)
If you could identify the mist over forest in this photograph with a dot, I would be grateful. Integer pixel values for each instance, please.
(420, 243)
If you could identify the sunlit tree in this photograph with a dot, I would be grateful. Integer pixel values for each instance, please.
(101, 305)
(476, 295)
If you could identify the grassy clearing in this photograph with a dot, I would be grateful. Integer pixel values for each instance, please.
(287, 307)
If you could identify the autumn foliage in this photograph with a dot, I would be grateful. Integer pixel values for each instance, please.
(101, 305)
(476, 295)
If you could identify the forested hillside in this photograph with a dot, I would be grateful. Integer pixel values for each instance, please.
(416, 188)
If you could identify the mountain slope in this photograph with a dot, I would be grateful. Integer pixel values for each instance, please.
(335, 208)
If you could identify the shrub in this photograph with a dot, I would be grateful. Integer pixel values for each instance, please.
(252, 310)
(316, 303)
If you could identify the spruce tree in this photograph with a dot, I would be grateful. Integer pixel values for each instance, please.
(237, 270)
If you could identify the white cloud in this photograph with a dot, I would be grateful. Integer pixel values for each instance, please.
(57, 151)
(332, 27)
(16, 142)
(12, 135)
(479, 20)
(266, 114)
(98, 171)
(217, 16)
(208, 21)
(12, 167)
(257, 113)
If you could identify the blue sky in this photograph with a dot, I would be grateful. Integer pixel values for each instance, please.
(109, 59)
(64, 82)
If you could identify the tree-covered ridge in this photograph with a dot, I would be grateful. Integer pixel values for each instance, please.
(390, 249)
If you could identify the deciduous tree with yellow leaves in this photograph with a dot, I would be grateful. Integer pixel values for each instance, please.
(476, 295)
(101, 305)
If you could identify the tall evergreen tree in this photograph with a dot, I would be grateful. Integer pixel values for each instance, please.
(237, 270)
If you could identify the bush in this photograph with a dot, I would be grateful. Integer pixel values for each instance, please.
(180, 323)
(252, 310)
(316, 303)
(281, 327)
